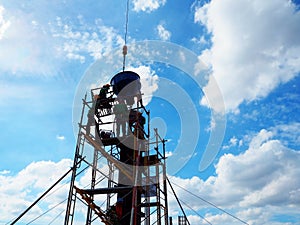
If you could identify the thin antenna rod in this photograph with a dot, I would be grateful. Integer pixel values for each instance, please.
(125, 36)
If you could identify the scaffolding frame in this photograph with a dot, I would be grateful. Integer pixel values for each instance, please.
(152, 205)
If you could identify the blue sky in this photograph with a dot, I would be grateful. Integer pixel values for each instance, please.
(250, 49)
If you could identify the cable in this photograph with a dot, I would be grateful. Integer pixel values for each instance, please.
(210, 203)
(56, 217)
(178, 201)
(46, 212)
(42, 196)
(195, 212)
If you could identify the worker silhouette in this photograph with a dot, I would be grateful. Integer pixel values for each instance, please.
(139, 131)
(136, 123)
(121, 116)
(139, 126)
(103, 101)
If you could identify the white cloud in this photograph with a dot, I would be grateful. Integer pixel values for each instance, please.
(169, 154)
(147, 5)
(25, 47)
(18, 191)
(260, 139)
(254, 46)
(289, 133)
(163, 33)
(201, 41)
(232, 142)
(60, 137)
(83, 40)
(194, 219)
(3, 23)
(149, 82)
(212, 125)
(258, 183)
(4, 172)
(37, 48)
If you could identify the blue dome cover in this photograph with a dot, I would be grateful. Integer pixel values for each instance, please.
(127, 81)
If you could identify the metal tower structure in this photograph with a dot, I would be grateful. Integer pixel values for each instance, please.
(126, 171)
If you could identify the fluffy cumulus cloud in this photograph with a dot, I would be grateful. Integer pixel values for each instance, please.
(258, 184)
(19, 191)
(147, 5)
(254, 46)
(254, 186)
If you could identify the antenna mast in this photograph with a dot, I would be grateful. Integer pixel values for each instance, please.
(125, 36)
